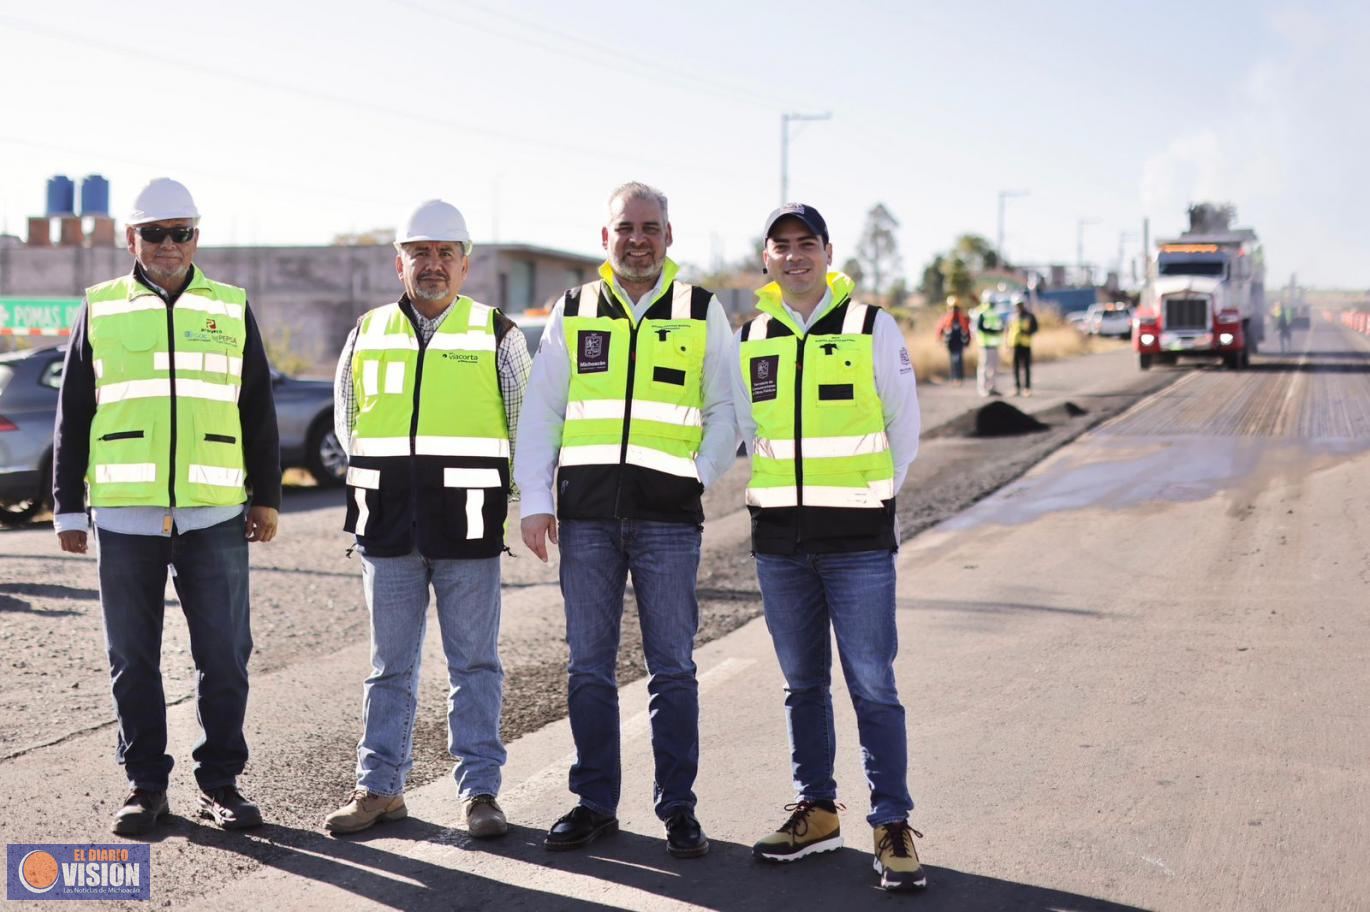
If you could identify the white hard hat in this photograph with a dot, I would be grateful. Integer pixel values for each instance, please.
(434, 220)
(162, 198)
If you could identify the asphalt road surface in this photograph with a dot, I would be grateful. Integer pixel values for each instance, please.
(1133, 675)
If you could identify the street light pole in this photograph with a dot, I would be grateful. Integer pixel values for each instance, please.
(785, 121)
(999, 238)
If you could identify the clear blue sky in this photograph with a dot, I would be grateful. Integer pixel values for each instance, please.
(291, 124)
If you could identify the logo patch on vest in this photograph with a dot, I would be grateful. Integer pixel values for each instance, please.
(592, 351)
(764, 372)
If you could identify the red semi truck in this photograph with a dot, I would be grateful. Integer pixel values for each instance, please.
(1206, 297)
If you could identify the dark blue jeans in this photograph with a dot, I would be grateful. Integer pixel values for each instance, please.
(806, 598)
(663, 558)
(958, 362)
(211, 581)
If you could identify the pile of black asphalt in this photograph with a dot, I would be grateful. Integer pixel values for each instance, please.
(1001, 419)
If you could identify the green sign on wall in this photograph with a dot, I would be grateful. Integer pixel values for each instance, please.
(37, 316)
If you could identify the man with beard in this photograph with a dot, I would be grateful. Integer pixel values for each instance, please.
(828, 407)
(166, 413)
(426, 402)
(629, 405)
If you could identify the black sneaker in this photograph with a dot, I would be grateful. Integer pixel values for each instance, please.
(140, 813)
(684, 836)
(228, 808)
(579, 828)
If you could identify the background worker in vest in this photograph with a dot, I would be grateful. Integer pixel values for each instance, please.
(166, 412)
(630, 405)
(427, 498)
(1020, 332)
(828, 409)
(989, 332)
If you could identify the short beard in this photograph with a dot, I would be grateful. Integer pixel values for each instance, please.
(641, 275)
(168, 280)
(431, 295)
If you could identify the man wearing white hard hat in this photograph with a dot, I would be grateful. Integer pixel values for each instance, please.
(166, 416)
(630, 409)
(426, 402)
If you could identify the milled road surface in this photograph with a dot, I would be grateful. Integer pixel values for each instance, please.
(1001, 673)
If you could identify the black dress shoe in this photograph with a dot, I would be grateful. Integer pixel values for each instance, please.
(140, 812)
(684, 836)
(579, 828)
(229, 809)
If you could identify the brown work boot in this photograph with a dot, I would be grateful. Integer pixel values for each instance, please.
(363, 810)
(813, 827)
(484, 819)
(896, 860)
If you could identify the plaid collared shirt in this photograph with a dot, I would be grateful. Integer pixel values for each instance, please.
(512, 363)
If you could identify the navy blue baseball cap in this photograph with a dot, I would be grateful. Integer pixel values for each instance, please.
(806, 214)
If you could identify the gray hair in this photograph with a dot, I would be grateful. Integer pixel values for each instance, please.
(638, 190)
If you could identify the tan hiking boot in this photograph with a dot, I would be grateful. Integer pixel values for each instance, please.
(363, 810)
(896, 860)
(484, 819)
(813, 827)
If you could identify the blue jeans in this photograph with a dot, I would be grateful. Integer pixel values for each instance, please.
(804, 595)
(663, 558)
(211, 581)
(958, 370)
(468, 598)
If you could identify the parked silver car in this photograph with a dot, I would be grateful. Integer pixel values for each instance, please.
(29, 382)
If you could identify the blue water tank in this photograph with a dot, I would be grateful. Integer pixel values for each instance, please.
(94, 195)
(61, 195)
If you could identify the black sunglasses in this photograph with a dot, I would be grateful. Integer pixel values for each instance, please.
(155, 234)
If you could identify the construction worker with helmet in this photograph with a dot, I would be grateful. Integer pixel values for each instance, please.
(954, 331)
(827, 406)
(989, 333)
(629, 407)
(166, 419)
(426, 402)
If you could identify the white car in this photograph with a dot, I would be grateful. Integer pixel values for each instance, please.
(1109, 320)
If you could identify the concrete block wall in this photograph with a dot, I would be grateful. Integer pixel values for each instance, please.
(305, 299)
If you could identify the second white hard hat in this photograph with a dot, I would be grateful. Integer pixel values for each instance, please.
(162, 198)
(434, 220)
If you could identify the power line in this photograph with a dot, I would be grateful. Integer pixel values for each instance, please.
(574, 46)
(467, 129)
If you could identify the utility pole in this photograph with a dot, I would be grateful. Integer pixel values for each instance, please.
(1080, 243)
(1146, 255)
(1123, 238)
(785, 121)
(999, 237)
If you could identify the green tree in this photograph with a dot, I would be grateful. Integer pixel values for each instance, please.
(878, 248)
(853, 269)
(933, 286)
(899, 292)
(957, 279)
(978, 253)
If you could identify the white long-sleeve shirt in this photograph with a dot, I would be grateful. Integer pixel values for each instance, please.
(894, 382)
(544, 405)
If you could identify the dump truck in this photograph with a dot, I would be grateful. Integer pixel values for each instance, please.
(1206, 297)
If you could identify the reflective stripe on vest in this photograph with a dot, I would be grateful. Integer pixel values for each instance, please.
(153, 380)
(820, 429)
